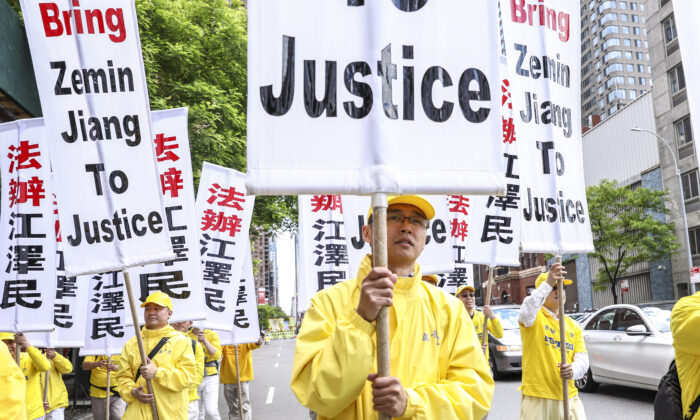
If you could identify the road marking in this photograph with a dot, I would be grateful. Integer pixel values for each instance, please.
(276, 365)
(270, 395)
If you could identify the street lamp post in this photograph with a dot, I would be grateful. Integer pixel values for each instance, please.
(691, 286)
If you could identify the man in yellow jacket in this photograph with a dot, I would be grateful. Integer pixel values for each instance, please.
(57, 395)
(208, 390)
(98, 367)
(171, 369)
(685, 328)
(15, 389)
(543, 369)
(33, 364)
(465, 293)
(193, 398)
(438, 367)
(230, 379)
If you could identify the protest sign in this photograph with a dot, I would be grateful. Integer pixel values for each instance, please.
(28, 229)
(418, 112)
(686, 15)
(105, 331)
(543, 55)
(458, 221)
(224, 212)
(246, 328)
(91, 81)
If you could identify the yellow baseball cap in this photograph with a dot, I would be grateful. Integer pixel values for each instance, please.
(413, 200)
(7, 336)
(160, 299)
(432, 279)
(463, 287)
(542, 277)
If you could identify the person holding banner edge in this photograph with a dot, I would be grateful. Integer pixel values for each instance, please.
(335, 354)
(543, 370)
(57, 392)
(33, 363)
(465, 293)
(12, 400)
(230, 379)
(194, 407)
(170, 365)
(98, 366)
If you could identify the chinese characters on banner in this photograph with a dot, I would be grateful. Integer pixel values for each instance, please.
(181, 278)
(224, 212)
(460, 215)
(246, 328)
(323, 248)
(106, 331)
(353, 91)
(28, 269)
(91, 81)
(544, 70)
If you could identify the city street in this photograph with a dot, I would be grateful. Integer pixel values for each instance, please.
(272, 397)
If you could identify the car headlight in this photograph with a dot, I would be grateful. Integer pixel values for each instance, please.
(509, 348)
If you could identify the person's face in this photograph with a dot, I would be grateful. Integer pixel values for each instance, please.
(11, 346)
(406, 229)
(552, 301)
(183, 326)
(156, 316)
(467, 298)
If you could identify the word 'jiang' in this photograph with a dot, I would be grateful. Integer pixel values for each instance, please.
(59, 22)
(546, 113)
(535, 15)
(107, 128)
(467, 93)
(549, 209)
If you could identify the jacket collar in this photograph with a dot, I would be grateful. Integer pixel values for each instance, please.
(404, 285)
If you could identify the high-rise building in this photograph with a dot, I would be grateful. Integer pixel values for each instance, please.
(615, 61)
(265, 256)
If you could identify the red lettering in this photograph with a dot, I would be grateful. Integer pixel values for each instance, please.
(52, 24)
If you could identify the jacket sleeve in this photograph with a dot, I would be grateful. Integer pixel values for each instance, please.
(685, 325)
(495, 327)
(179, 374)
(467, 389)
(532, 304)
(125, 374)
(215, 341)
(39, 361)
(333, 356)
(62, 364)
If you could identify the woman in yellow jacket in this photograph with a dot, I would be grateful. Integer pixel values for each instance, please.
(33, 363)
(230, 379)
(57, 395)
(685, 328)
(15, 389)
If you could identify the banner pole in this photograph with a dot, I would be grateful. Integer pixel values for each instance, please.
(46, 384)
(109, 391)
(562, 340)
(238, 383)
(139, 338)
(17, 354)
(380, 259)
(487, 300)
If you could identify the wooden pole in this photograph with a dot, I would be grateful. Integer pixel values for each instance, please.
(46, 384)
(238, 382)
(17, 354)
(562, 340)
(109, 392)
(380, 259)
(487, 301)
(139, 339)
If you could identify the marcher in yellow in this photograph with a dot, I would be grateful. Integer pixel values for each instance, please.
(98, 366)
(14, 388)
(208, 389)
(33, 364)
(465, 293)
(438, 367)
(171, 369)
(432, 279)
(57, 394)
(543, 369)
(194, 401)
(685, 328)
(230, 380)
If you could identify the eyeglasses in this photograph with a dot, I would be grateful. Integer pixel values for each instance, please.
(465, 295)
(414, 221)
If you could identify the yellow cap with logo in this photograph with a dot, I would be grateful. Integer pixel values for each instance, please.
(463, 287)
(6, 336)
(413, 200)
(160, 299)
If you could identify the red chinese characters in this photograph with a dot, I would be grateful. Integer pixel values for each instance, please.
(326, 203)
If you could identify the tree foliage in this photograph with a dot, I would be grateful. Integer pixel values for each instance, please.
(266, 312)
(627, 230)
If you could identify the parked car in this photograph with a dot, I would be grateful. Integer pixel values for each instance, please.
(580, 317)
(506, 353)
(628, 344)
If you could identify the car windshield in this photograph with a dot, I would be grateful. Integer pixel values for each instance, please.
(508, 317)
(660, 317)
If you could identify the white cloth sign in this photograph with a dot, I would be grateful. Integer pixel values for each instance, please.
(459, 220)
(28, 270)
(543, 53)
(437, 254)
(686, 14)
(181, 278)
(373, 95)
(106, 331)
(89, 72)
(246, 328)
(224, 212)
(323, 247)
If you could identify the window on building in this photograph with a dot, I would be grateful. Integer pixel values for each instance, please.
(626, 30)
(640, 56)
(608, 17)
(630, 81)
(628, 55)
(640, 68)
(614, 81)
(601, 103)
(612, 55)
(623, 5)
(624, 17)
(595, 40)
(616, 94)
(642, 81)
(606, 5)
(633, 5)
(690, 184)
(684, 132)
(628, 42)
(632, 94)
(635, 18)
(610, 43)
(638, 43)
(630, 68)
(676, 79)
(694, 236)
(636, 30)
(613, 29)
(613, 68)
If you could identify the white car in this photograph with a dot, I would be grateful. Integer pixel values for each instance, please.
(628, 345)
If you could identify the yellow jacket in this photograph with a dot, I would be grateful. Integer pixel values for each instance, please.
(434, 353)
(14, 389)
(199, 368)
(58, 395)
(210, 361)
(33, 363)
(493, 325)
(245, 363)
(685, 327)
(176, 372)
(98, 377)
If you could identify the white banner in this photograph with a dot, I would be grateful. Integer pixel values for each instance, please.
(686, 14)
(322, 255)
(459, 220)
(224, 213)
(106, 331)
(367, 93)
(92, 87)
(28, 269)
(246, 328)
(544, 69)
(181, 278)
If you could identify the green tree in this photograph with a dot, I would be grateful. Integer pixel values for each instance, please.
(266, 312)
(627, 230)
